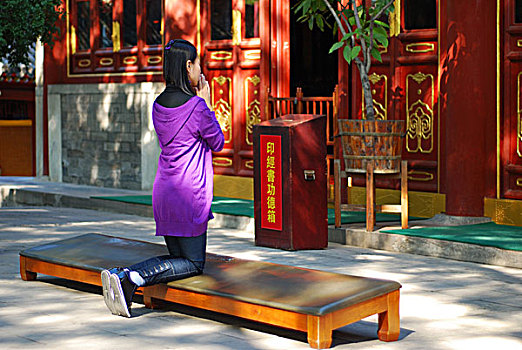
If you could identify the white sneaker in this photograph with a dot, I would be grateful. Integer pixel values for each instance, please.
(108, 293)
(120, 304)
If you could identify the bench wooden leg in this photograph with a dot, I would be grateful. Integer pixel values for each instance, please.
(149, 304)
(148, 301)
(320, 331)
(26, 275)
(389, 322)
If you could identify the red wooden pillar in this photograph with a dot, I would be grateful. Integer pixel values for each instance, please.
(468, 104)
(266, 43)
(280, 48)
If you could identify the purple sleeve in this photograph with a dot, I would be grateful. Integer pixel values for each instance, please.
(209, 128)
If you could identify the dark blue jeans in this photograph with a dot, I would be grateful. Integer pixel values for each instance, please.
(186, 259)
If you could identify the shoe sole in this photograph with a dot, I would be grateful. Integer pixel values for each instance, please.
(108, 294)
(120, 304)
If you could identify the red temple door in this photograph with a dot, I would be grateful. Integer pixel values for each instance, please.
(511, 123)
(17, 126)
(404, 87)
(231, 55)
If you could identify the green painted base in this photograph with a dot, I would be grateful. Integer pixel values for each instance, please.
(487, 234)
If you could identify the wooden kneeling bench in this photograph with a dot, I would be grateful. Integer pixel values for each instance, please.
(311, 301)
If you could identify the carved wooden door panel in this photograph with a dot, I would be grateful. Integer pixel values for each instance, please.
(404, 87)
(511, 123)
(416, 91)
(231, 55)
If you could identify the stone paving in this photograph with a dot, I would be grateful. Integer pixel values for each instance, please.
(31, 191)
(445, 304)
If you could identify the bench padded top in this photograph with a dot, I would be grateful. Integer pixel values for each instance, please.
(284, 287)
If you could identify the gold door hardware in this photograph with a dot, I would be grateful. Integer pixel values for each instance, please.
(106, 61)
(116, 45)
(73, 39)
(154, 59)
(420, 47)
(236, 27)
(414, 175)
(221, 55)
(395, 19)
(222, 161)
(130, 60)
(84, 63)
(253, 54)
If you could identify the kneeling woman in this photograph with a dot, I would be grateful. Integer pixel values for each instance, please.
(188, 132)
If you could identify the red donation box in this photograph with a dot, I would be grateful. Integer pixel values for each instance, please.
(290, 202)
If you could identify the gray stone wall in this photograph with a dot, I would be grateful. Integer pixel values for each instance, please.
(102, 134)
(101, 140)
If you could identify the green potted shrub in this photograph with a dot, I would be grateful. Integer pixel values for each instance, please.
(362, 32)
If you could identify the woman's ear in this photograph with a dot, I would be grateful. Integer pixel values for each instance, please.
(189, 66)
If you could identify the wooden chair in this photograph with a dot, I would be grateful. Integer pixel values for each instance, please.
(299, 104)
(371, 208)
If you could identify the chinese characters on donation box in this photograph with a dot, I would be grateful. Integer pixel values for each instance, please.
(271, 185)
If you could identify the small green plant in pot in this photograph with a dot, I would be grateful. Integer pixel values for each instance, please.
(362, 32)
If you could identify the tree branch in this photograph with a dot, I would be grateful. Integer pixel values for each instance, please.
(359, 25)
(339, 23)
(381, 11)
(358, 62)
(347, 23)
(370, 48)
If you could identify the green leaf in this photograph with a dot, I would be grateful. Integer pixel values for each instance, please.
(336, 46)
(347, 36)
(303, 18)
(382, 39)
(22, 22)
(306, 6)
(376, 54)
(299, 6)
(382, 24)
(361, 34)
(380, 34)
(360, 11)
(334, 30)
(311, 23)
(358, 33)
(347, 53)
(320, 22)
(380, 31)
(355, 52)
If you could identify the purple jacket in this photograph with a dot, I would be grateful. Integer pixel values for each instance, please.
(183, 188)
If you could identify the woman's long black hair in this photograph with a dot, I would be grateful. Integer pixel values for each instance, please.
(177, 53)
